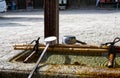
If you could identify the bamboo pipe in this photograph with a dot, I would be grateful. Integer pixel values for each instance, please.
(65, 49)
(111, 60)
(60, 45)
(67, 46)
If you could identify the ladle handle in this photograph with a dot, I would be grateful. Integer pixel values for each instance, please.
(36, 65)
(80, 42)
(29, 56)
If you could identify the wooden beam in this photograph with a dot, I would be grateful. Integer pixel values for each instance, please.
(51, 19)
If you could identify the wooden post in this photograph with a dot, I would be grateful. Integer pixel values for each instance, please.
(51, 19)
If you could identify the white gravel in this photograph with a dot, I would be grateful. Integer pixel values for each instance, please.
(91, 26)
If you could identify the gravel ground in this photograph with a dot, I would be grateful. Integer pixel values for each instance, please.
(91, 26)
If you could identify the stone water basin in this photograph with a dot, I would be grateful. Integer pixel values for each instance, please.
(73, 64)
